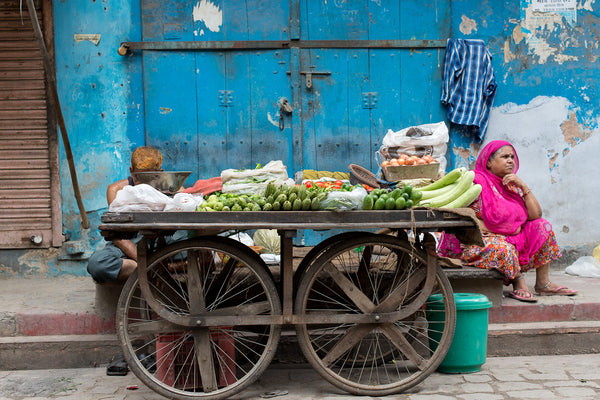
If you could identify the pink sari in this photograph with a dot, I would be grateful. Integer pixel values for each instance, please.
(503, 210)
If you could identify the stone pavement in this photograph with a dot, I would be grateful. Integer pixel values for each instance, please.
(569, 377)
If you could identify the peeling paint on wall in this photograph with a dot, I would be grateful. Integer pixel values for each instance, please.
(467, 25)
(557, 153)
(573, 132)
(549, 29)
(210, 14)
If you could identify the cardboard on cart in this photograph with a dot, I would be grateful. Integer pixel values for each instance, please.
(398, 173)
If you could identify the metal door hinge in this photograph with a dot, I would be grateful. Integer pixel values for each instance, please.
(225, 98)
(369, 100)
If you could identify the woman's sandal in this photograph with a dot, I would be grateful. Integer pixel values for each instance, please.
(557, 291)
(522, 295)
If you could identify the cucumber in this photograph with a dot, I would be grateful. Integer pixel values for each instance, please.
(287, 206)
(447, 179)
(315, 204)
(416, 196)
(400, 203)
(390, 203)
(297, 205)
(306, 204)
(368, 202)
(465, 199)
(281, 198)
(302, 192)
(270, 189)
(395, 193)
(465, 182)
(379, 204)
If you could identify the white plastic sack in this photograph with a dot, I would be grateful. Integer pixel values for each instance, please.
(253, 188)
(427, 139)
(272, 171)
(140, 197)
(184, 202)
(342, 200)
(586, 266)
(242, 237)
(254, 181)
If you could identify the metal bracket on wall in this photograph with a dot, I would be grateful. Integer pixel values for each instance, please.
(369, 99)
(309, 75)
(225, 98)
(280, 44)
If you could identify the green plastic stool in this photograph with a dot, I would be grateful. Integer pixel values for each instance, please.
(468, 350)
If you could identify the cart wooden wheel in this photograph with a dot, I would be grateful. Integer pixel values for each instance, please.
(376, 290)
(201, 276)
(317, 250)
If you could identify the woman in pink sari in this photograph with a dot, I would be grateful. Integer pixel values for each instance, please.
(516, 238)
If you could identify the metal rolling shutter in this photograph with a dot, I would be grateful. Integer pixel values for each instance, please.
(29, 194)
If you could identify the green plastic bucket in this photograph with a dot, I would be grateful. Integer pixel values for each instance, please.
(469, 347)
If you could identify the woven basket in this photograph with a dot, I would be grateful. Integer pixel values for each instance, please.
(360, 174)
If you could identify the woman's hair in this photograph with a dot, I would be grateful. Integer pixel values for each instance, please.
(494, 154)
(146, 158)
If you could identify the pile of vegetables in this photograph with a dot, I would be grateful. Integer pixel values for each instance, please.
(455, 190)
(274, 198)
(397, 199)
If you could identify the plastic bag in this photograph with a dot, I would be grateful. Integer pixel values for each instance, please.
(268, 239)
(184, 202)
(586, 266)
(254, 181)
(274, 170)
(427, 139)
(242, 237)
(341, 200)
(140, 197)
(253, 188)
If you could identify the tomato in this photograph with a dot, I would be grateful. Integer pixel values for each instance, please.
(409, 161)
(308, 184)
(385, 163)
(338, 183)
(421, 161)
(394, 163)
(320, 184)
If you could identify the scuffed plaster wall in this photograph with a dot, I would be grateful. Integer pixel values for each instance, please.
(547, 102)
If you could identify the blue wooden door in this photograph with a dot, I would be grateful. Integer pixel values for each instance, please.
(217, 107)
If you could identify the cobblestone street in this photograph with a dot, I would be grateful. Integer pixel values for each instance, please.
(570, 377)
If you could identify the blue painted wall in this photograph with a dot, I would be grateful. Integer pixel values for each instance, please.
(101, 98)
(547, 102)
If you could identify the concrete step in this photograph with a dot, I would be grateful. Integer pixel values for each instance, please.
(543, 338)
(69, 323)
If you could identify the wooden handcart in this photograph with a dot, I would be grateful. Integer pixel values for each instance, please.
(374, 314)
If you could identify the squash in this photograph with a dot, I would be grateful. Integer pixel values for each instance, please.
(268, 239)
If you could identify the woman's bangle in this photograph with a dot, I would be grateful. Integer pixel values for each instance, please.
(526, 193)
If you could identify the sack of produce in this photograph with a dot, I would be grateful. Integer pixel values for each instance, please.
(343, 200)
(268, 239)
(254, 181)
(418, 141)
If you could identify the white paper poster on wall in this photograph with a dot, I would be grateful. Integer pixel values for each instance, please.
(566, 8)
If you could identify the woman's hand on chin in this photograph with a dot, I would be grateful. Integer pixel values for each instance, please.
(515, 180)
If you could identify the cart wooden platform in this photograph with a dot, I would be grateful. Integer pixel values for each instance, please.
(374, 314)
